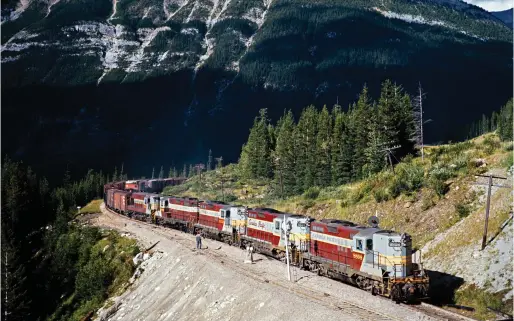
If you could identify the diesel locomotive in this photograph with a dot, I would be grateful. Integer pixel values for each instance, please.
(371, 258)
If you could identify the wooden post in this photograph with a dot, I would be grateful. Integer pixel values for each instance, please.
(490, 183)
(488, 202)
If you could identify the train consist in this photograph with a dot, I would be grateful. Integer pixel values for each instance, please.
(376, 260)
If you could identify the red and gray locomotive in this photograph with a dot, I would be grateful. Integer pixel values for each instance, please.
(371, 258)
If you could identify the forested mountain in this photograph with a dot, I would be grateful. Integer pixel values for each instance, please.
(505, 16)
(102, 82)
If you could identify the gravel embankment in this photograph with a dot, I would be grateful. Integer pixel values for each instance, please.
(181, 283)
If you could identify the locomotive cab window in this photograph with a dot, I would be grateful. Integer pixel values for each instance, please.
(227, 213)
(277, 225)
(222, 213)
(359, 245)
(369, 244)
(166, 203)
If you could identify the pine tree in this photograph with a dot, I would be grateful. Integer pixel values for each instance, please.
(170, 173)
(153, 172)
(359, 125)
(174, 173)
(161, 172)
(209, 161)
(122, 178)
(505, 122)
(305, 137)
(374, 149)
(191, 172)
(15, 302)
(406, 124)
(285, 155)
(256, 153)
(323, 146)
(337, 158)
(388, 113)
(115, 177)
(184, 171)
(485, 124)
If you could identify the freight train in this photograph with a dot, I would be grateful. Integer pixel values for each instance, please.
(371, 258)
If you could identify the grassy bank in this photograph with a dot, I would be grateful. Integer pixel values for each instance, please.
(92, 207)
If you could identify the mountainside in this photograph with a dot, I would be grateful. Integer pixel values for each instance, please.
(505, 16)
(124, 79)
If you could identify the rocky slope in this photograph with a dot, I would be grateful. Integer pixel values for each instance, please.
(82, 76)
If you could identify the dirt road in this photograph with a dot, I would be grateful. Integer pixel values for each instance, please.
(182, 283)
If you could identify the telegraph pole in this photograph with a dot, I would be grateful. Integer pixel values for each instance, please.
(389, 152)
(488, 202)
(199, 168)
(285, 228)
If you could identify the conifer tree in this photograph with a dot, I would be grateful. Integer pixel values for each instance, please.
(170, 173)
(153, 172)
(121, 173)
(285, 155)
(115, 174)
(191, 172)
(485, 124)
(305, 136)
(388, 113)
(323, 146)
(174, 172)
(161, 172)
(342, 150)
(505, 122)
(359, 125)
(184, 171)
(374, 149)
(256, 153)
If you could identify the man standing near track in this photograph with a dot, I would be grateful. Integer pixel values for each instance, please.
(199, 240)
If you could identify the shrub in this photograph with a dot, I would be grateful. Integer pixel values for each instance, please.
(306, 204)
(490, 144)
(438, 185)
(230, 198)
(381, 195)
(462, 209)
(408, 178)
(427, 202)
(312, 193)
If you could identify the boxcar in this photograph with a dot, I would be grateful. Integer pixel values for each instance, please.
(121, 199)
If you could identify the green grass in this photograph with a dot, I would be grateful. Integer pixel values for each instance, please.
(92, 207)
(480, 299)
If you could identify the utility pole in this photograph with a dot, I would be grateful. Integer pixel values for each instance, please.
(277, 161)
(286, 230)
(388, 151)
(219, 162)
(418, 115)
(199, 168)
(209, 161)
(488, 202)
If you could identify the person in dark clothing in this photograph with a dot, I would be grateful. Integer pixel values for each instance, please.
(199, 240)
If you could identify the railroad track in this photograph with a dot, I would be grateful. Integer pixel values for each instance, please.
(322, 298)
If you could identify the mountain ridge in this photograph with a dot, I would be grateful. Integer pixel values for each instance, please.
(153, 70)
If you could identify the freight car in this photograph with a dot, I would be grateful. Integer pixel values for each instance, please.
(373, 259)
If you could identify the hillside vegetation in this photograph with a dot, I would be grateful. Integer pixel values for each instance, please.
(204, 63)
(432, 198)
(55, 268)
